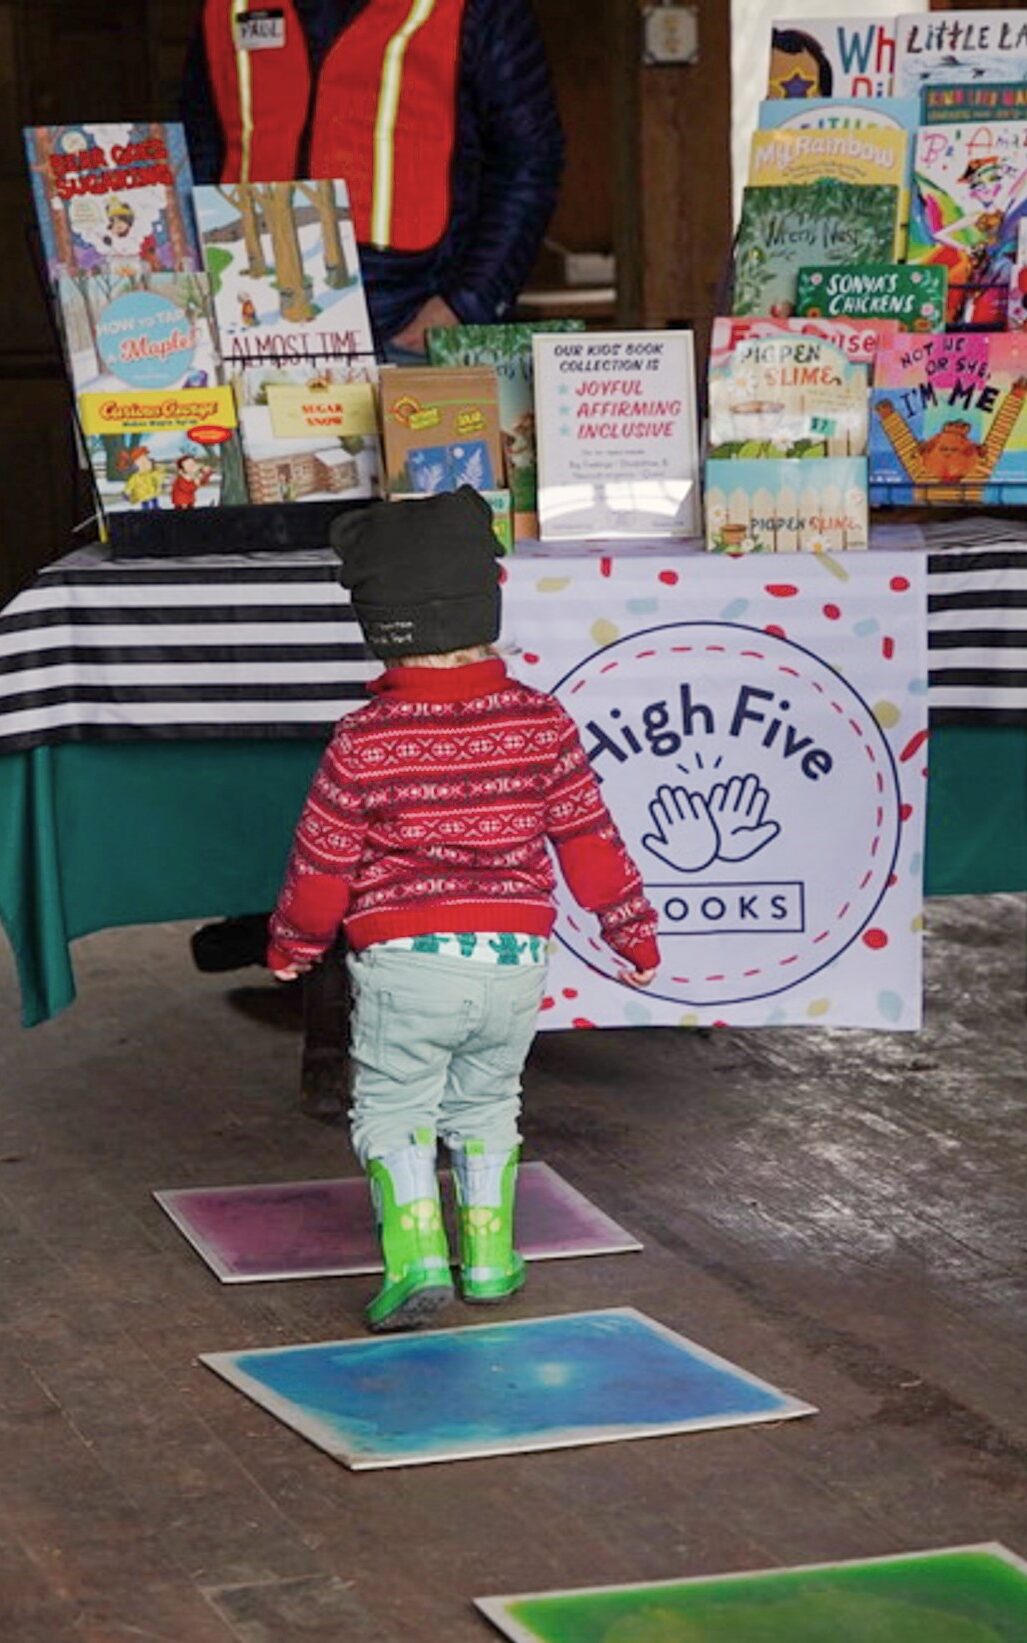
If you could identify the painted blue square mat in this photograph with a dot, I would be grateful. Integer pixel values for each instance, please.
(535, 1383)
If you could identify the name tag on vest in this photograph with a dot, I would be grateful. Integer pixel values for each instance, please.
(260, 30)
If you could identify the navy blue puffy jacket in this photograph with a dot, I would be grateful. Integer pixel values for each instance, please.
(506, 168)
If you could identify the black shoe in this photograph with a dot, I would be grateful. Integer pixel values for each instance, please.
(231, 943)
(324, 1085)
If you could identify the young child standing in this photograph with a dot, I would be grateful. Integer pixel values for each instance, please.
(425, 837)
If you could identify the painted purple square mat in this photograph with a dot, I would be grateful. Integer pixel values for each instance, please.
(323, 1229)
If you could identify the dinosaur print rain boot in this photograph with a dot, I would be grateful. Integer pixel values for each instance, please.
(486, 1187)
(405, 1194)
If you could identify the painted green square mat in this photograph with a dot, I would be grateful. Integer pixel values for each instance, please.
(967, 1594)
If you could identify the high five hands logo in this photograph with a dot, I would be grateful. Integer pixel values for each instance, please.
(755, 790)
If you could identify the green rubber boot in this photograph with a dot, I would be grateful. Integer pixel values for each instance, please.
(405, 1194)
(486, 1187)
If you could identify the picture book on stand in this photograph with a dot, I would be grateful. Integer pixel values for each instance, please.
(787, 395)
(112, 198)
(159, 449)
(137, 330)
(507, 348)
(913, 297)
(831, 57)
(947, 420)
(955, 46)
(969, 196)
(284, 272)
(440, 428)
(839, 113)
(785, 227)
(850, 154)
(309, 432)
(812, 505)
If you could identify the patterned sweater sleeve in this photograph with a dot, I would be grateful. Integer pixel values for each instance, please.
(599, 872)
(326, 848)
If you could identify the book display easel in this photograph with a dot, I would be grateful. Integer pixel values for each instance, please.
(228, 394)
(887, 185)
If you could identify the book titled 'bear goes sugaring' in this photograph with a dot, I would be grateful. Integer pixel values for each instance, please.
(112, 198)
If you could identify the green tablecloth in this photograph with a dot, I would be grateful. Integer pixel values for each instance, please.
(104, 834)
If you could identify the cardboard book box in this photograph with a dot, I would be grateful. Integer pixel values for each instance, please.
(440, 429)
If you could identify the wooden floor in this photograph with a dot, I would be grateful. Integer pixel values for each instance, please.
(843, 1214)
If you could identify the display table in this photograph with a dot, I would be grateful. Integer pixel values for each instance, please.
(163, 723)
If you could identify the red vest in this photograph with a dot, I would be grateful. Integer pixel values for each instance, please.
(381, 114)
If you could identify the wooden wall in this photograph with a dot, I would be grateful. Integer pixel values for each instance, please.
(59, 60)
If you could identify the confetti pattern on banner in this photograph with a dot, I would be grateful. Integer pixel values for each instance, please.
(790, 890)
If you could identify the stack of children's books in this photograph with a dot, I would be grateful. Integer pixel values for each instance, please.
(119, 246)
(787, 435)
(506, 349)
(887, 183)
(192, 316)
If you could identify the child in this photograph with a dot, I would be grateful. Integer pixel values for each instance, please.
(424, 836)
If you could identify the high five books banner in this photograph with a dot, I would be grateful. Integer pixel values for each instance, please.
(758, 728)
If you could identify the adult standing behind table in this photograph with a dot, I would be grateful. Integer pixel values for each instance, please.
(439, 115)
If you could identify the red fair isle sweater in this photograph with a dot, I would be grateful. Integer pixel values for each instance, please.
(431, 811)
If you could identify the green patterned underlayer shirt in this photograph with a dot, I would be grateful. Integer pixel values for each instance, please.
(487, 946)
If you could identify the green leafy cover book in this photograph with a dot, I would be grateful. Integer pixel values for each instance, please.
(508, 349)
(788, 226)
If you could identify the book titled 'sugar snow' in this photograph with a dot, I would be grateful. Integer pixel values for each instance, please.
(617, 439)
(947, 422)
(284, 271)
(112, 198)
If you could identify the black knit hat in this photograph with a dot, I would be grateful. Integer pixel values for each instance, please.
(422, 574)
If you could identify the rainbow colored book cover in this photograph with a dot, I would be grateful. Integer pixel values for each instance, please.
(947, 419)
(969, 197)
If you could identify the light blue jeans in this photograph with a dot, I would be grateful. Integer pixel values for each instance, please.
(438, 1043)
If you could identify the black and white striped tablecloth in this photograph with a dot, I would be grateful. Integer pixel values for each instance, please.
(266, 645)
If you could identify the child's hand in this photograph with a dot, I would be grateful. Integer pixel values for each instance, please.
(292, 972)
(636, 978)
